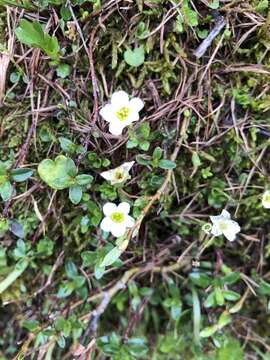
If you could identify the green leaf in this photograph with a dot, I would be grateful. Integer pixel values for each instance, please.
(63, 70)
(156, 181)
(230, 349)
(137, 347)
(4, 226)
(111, 257)
(85, 223)
(262, 5)
(21, 174)
(88, 258)
(20, 250)
(59, 323)
(67, 329)
(30, 325)
(99, 271)
(200, 279)
(71, 269)
(144, 130)
(157, 153)
(78, 281)
(176, 311)
(67, 145)
(264, 288)
(19, 268)
(6, 190)
(65, 13)
(144, 145)
(142, 159)
(16, 228)
(196, 315)
(231, 295)
(166, 164)
(190, 16)
(45, 247)
(59, 173)
(208, 331)
(196, 161)
(224, 320)
(132, 144)
(61, 342)
(202, 34)
(219, 296)
(178, 25)
(32, 34)
(214, 4)
(14, 77)
(75, 194)
(231, 278)
(65, 290)
(134, 57)
(210, 300)
(84, 179)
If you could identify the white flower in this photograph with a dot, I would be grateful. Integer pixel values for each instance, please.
(222, 224)
(121, 112)
(116, 218)
(266, 199)
(119, 174)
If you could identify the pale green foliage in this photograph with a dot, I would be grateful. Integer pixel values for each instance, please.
(134, 57)
(32, 34)
(61, 173)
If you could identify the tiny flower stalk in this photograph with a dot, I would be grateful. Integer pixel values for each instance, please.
(117, 219)
(121, 111)
(118, 175)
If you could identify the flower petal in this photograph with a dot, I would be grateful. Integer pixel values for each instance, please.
(232, 229)
(231, 236)
(129, 221)
(136, 104)
(118, 229)
(124, 208)
(216, 219)
(119, 99)
(266, 199)
(109, 208)
(106, 112)
(132, 116)
(266, 204)
(127, 166)
(215, 229)
(116, 128)
(106, 224)
(226, 215)
(108, 175)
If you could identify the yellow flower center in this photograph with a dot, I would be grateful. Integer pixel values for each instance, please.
(223, 226)
(122, 113)
(117, 217)
(119, 175)
(267, 198)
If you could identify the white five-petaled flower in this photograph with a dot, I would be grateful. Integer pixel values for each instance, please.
(119, 174)
(266, 199)
(116, 218)
(121, 112)
(222, 224)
